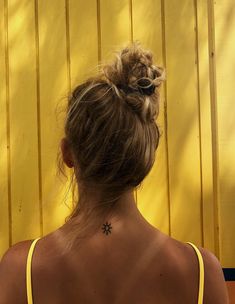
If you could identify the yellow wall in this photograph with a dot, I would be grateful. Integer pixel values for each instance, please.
(48, 46)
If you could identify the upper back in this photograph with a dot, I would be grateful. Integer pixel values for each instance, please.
(155, 270)
(144, 268)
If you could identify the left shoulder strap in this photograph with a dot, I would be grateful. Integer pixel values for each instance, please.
(28, 272)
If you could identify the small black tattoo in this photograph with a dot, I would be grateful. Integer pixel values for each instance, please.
(107, 228)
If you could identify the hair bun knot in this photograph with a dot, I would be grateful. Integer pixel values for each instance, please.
(145, 86)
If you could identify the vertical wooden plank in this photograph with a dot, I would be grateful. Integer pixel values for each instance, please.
(205, 120)
(23, 121)
(83, 47)
(82, 51)
(183, 125)
(153, 195)
(4, 222)
(115, 26)
(225, 62)
(53, 90)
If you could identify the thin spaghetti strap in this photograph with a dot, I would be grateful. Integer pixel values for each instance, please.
(201, 273)
(28, 272)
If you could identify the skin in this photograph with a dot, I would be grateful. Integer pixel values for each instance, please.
(133, 263)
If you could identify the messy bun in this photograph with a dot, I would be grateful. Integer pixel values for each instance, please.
(111, 130)
(134, 78)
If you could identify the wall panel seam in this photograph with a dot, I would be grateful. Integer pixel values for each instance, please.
(214, 125)
(8, 120)
(68, 44)
(199, 120)
(38, 116)
(98, 31)
(131, 20)
(165, 112)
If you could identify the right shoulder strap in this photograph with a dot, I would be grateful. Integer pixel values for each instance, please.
(28, 272)
(201, 273)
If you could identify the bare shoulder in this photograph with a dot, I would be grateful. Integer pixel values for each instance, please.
(183, 255)
(215, 290)
(12, 273)
(16, 250)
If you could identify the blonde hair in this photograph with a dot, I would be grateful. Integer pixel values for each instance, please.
(111, 129)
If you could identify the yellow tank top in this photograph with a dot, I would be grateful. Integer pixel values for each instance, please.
(29, 273)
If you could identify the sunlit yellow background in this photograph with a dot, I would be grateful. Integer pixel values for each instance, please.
(47, 46)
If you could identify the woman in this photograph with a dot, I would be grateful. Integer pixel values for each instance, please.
(107, 252)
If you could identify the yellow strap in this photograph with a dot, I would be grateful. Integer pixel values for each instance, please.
(29, 279)
(201, 274)
(28, 272)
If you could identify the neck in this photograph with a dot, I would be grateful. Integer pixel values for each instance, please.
(124, 210)
(124, 207)
(124, 222)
